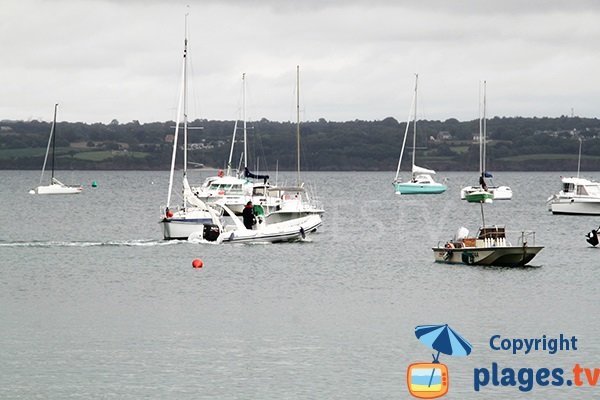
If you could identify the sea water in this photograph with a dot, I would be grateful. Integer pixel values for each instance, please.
(93, 304)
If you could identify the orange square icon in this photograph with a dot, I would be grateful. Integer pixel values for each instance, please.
(427, 380)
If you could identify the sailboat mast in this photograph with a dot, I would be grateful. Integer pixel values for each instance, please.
(415, 122)
(298, 125)
(244, 120)
(484, 127)
(185, 121)
(53, 135)
(480, 135)
(176, 135)
(185, 111)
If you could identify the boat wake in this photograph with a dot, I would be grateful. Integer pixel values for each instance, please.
(110, 243)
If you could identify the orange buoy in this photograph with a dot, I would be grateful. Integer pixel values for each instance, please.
(197, 263)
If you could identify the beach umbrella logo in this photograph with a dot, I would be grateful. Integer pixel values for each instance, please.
(431, 380)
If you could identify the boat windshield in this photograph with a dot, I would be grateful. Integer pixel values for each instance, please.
(590, 190)
(568, 187)
(227, 188)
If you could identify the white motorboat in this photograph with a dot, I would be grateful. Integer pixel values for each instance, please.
(232, 191)
(180, 221)
(262, 231)
(490, 247)
(422, 181)
(55, 186)
(578, 196)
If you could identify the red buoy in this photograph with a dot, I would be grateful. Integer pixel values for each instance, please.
(197, 263)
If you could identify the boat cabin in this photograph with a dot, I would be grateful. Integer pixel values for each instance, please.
(580, 187)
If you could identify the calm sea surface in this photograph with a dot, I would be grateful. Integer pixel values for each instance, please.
(93, 304)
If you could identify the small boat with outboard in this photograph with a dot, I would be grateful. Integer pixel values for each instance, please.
(491, 246)
(262, 231)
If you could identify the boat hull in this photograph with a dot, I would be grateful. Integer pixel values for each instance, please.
(507, 256)
(57, 189)
(419, 188)
(496, 193)
(479, 197)
(288, 231)
(575, 206)
(501, 192)
(182, 228)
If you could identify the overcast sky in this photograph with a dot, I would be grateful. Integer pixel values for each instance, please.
(122, 58)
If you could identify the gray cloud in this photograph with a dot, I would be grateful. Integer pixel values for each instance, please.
(121, 59)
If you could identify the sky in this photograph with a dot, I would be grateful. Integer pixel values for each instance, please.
(121, 59)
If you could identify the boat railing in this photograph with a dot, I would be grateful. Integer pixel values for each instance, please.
(526, 238)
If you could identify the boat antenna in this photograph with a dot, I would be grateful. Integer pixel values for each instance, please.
(579, 158)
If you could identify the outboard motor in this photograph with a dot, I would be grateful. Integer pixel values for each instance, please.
(211, 232)
(592, 237)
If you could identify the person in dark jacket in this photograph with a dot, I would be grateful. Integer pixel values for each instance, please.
(248, 215)
(482, 183)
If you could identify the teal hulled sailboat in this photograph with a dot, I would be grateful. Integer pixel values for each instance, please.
(421, 181)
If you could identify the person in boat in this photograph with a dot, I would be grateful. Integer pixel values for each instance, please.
(482, 182)
(248, 215)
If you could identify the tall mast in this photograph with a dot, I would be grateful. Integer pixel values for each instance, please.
(480, 134)
(415, 122)
(298, 124)
(185, 116)
(484, 127)
(244, 120)
(176, 135)
(53, 134)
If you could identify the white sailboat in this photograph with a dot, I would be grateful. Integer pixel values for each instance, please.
(421, 181)
(483, 192)
(180, 221)
(55, 186)
(232, 188)
(283, 203)
(578, 195)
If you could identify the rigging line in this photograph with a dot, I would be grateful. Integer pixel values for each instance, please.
(410, 111)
